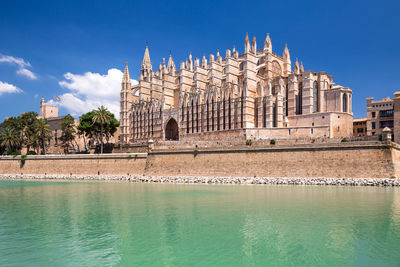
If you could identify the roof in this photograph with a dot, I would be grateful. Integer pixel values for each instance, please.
(360, 120)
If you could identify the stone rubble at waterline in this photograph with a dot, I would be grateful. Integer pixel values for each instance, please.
(210, 180)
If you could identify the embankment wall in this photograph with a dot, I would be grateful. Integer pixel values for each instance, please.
(343, 160)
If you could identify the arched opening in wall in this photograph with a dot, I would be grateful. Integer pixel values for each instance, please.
(208, 116)
(276, 69)
(274, 115)
(287, 100)
(241, 110)
(229, 112)
(264, 117)
(192, 116)
(212, 114)
(344, 107)
(197, 115)
(224, 114)
(187, 119)
(300, 99)
(172, 130)
(315, 96)
(218, 115)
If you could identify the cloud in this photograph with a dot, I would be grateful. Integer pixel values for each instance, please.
(8, 88)
(22, 65)
(27, 73)
(90, 90)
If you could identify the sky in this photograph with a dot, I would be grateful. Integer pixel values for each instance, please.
(76, 50)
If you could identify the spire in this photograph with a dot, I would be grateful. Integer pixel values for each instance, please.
(171, 64)
(146, 63)
(126, 78)
(268, 44)
(204, 61)
(286, 54)
(254, 45)
(247, 44)
(296, 67)
(301, 67)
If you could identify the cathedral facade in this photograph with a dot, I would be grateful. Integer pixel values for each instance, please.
(254, 95)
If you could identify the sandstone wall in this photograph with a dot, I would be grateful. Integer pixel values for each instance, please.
(365, 160)
(340, 160)
(75, 164)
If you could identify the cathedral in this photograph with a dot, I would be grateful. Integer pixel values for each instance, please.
(255, 95)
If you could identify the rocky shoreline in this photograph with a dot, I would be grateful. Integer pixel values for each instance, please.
(209, 180)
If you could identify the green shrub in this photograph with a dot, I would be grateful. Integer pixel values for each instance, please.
(272, 142)
(344, 140)
(23, 158)
(31, 153)
(249, 142)
(14, 154)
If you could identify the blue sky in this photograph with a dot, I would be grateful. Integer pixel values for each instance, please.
(77, 49)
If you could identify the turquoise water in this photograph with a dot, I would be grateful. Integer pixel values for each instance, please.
(120, 224)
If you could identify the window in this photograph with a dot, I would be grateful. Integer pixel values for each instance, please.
(373, 125)
(315, 96)
(344, 103)
(386, 113)
(373, 114)
(276, 69)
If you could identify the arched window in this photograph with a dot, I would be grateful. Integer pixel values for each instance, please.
(316, 96)
(208, 115)
(276, 69)
(224, 113)
(287, 100)
(300, 99)
(212, 114)
(218, 115)
(344, 103)
(229, 112)
(187, 119)
(192, 116)
(274, 115)
(241, 66)
(264, 117)
(241, 111)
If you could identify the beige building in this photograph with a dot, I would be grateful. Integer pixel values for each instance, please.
(50, 114)
(360, 127)
(384, 113)
(254, 95)
(380, 114)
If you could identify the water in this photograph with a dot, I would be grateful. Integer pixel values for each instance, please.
(115, 224)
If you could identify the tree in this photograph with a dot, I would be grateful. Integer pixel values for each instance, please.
(92, 130)
(101, 116)
(68, 132)
(10, 139)
(43, 133)
(27, 123)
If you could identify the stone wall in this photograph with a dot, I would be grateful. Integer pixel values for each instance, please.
(75, 164)
(350, 160)
(317, 160)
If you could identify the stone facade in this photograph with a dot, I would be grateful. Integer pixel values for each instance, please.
(384, 113)
(360, 127)
(341, 160)
(258, 91)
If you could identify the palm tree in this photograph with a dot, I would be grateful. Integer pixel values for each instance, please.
(102, 116)
(9, 139)
(43, 133)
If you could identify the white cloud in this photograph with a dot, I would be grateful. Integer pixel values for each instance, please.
(90, 90)
(8, 88)
(27, 73)
(21, 63)
(14, 60)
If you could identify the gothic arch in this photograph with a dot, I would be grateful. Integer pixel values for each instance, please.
(172, 130)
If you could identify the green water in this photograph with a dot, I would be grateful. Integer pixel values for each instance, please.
(121, 224)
